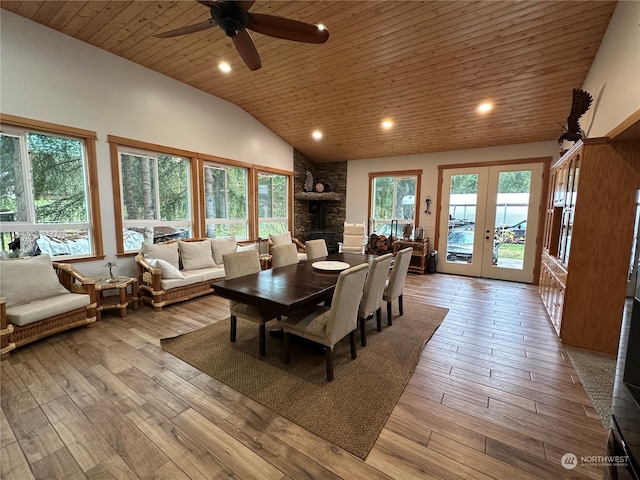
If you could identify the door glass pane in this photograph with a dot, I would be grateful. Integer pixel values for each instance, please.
(463, 198)
(512, 207)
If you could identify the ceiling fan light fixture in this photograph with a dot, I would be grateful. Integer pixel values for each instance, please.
(321, 26)
(317, 134)
(224, 67)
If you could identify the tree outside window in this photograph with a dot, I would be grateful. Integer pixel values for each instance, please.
(393, 198)
(226, 201)
(44, 197)
(155, 198)
(273, 204)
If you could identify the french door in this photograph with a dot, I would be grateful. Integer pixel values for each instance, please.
(492, 225)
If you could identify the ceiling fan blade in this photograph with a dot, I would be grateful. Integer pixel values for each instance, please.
(287, 29)
(245, 4)
(247, 50)
(188, 29)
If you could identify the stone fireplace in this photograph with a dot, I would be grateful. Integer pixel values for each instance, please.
(319, 214)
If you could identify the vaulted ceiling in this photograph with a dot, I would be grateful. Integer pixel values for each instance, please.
(426, 65)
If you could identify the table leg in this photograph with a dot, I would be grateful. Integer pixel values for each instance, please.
(123, 301)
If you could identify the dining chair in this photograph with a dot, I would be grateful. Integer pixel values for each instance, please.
(372, 295)
(395, 285)
(316, 248)
(284, 255)
(328, 325)
(354, 238)
(239, 264)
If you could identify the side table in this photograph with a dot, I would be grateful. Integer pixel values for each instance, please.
(418, 257)
(119, 301)
(265, 261)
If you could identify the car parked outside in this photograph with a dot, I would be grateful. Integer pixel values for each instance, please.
(460, 247)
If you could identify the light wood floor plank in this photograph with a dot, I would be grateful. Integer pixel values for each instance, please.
(494, 395)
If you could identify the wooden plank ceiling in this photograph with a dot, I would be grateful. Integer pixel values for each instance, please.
(426, 65)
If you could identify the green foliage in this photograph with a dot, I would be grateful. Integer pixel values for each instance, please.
(57, 178)
(514, 182)
(386, 206)
(466, 183)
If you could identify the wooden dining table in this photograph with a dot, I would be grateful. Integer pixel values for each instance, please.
(284, 290)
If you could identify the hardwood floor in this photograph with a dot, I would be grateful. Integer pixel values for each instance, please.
(493, 396)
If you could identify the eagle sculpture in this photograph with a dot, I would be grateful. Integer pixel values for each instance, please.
(581, 103)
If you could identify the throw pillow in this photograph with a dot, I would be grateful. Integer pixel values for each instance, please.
(196, 255)
(164, 251)
(244, 248)
(222, 246)
(168, 270)
(29, 279)
(281, 239)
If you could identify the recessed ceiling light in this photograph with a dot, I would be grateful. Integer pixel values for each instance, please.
(485, 107)
(387, 124)
(317, 134)
(224, 67)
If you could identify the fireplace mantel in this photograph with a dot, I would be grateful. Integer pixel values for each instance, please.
(328, 196)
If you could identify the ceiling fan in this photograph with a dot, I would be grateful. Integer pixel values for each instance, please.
(234, 18)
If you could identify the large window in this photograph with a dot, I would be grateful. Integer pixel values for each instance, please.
(226, 201)
(394, 196)
(273, 204)
(155, 197)
(46, 204)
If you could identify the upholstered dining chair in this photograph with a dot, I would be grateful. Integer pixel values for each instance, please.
(238, 264)
(328, 325)
(284, 255)
(354, 239)
(316, 248)
(372, 295)
(395, 285)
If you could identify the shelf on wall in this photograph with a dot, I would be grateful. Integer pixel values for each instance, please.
(328, 196)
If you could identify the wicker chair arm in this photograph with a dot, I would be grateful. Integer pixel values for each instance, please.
(147, 274)
(74, 281)
(299, 244)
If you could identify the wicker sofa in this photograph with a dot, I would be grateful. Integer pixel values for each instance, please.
(42, 298)
(179, 270)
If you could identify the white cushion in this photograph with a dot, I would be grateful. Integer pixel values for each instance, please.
(281, 239)
(168, 270)
(37, 310)
(196, 255)
(189, 278)
(164, 251)
(30, 279)
(222, 246)
(244, 248)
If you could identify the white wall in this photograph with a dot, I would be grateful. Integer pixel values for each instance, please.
(614, 77)
(358, 174)
(48, 76)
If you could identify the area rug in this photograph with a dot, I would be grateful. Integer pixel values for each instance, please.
(350, 411)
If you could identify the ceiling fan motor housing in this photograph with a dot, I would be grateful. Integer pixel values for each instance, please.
(230, 17)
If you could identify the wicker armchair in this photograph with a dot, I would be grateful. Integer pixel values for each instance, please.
(14, 334)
